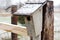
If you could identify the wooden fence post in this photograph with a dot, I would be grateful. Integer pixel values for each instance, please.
(48, 22)
(14, 21)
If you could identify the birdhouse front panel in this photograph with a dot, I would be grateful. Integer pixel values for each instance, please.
(30, 26)
(37, 19)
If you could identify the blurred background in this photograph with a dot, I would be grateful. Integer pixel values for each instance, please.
(7, 3)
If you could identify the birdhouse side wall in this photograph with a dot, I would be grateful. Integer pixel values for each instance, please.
(37, 19)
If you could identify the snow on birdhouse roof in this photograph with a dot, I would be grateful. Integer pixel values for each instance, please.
(36, 1)
(42, 1)
(28, 9)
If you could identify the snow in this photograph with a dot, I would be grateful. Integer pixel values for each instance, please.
(28, 9)
(56, 2)
(6, 3)
(2, 3)
(37, 1)
(56, 22)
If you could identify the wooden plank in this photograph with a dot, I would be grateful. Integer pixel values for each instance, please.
(37, 21)
(14, 28)
(48, 31)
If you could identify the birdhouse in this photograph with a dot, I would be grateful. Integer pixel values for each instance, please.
(33, 18)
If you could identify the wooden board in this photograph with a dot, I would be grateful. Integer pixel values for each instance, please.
(48, 21)
(14, 28)
(37, 20)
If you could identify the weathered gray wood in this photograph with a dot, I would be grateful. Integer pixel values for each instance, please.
(14, 21)
(28, 22)
(34, 24)
(37, 21)
(48, 30)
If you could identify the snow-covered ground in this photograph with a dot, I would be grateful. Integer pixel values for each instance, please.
(57, 26)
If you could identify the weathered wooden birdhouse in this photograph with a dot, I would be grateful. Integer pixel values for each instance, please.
(32, 13)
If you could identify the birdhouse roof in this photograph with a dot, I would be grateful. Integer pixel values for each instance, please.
(36, 1)
(28, 9)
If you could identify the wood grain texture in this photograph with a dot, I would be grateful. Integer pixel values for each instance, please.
(14, 29)
(48, 31)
